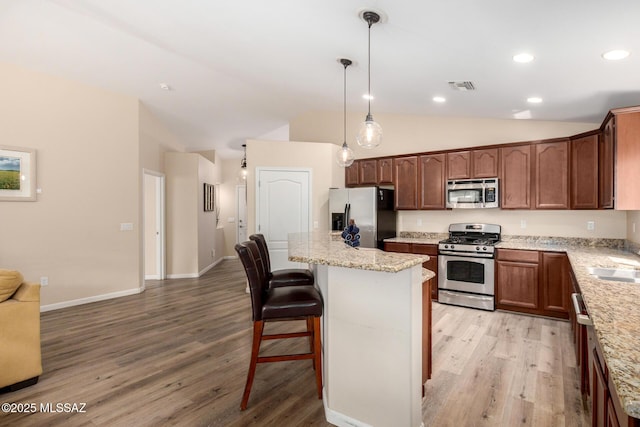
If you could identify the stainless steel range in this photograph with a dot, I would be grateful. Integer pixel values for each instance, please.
(466, 266)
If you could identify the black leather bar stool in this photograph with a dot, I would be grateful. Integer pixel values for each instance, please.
(284, 277)
(277, 304)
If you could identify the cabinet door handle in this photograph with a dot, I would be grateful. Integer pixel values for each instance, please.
(582, 319)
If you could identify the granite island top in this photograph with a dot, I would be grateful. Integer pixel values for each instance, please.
(316, 248)
(614, 307)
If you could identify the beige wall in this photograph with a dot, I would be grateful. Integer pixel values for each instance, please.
(155, 140)
(411, 134)
(316, 156)
(633, 217)
(88, 168)
(191, 232)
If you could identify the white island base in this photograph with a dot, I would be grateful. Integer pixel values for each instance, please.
(372, 328)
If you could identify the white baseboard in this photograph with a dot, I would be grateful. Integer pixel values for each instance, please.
(183, 276)
(196, 275)
(152, 277)
(337, 418)
(87, 300)
(210, 266)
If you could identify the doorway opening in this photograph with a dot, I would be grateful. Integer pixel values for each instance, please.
(154, 225)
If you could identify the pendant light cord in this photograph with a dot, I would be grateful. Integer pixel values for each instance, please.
(369, 68)
(345, 103)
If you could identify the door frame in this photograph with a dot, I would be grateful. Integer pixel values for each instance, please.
(160, 209)
(261, 169)
(238, 187)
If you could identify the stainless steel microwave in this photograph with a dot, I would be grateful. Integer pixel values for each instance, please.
(473, 193)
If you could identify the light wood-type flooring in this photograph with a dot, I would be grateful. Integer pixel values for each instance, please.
(177, 354)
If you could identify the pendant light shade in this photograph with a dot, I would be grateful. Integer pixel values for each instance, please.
(243, 163)
(370, 133)
(345, 155)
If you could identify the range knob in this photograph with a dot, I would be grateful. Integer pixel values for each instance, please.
(451, 246)
(484, 248)
(477, 248)
(446, 246)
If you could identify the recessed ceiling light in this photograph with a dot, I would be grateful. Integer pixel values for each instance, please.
(439, 99)
(534, 100)
(367, 96)
(165, 86)
(523, 57)
(614, 55)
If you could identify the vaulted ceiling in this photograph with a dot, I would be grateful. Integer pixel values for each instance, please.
(243, 68)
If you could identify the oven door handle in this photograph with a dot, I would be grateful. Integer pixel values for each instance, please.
(582, 319)
(466, 254)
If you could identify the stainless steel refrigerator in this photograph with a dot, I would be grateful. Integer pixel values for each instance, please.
(370, 207)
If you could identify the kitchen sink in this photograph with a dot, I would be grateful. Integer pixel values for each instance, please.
(616, 274)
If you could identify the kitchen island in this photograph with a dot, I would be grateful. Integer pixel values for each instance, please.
(372, 330)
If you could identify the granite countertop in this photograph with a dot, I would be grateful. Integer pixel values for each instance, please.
(614, 307)
(315, 248)
(423, 240)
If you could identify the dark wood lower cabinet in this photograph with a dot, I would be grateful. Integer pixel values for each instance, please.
(517, 280)
(533, 282)
(421, 249)
(426, 332)
(427, 290)
(555, 284)
(599, 394)
(606, 408)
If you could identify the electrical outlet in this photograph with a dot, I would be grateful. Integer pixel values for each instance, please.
(419, 221)
(633, 227)
(523, 223)
(213, 253)
(44, 281)
(591, 225)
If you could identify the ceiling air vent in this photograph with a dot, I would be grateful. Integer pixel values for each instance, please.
(464, 86)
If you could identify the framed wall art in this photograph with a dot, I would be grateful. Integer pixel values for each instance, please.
(209, 197)
(17, 174)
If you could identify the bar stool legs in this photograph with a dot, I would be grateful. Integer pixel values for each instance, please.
(315, 354)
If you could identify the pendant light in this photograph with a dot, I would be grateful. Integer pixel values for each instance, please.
(370, 133)
(243, 163)
(345, 155)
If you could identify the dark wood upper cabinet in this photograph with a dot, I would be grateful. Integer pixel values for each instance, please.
(584, 172)
(515, 177)
(432, 180)
(485, 163)
(467, 164)
(551, 184)
(368, 172)
(606, 165)
(626, 134)
(405, 176)
(459, 165)
(385, 171)
(352, 174)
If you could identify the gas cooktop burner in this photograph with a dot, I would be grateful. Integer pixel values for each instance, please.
(471, 239)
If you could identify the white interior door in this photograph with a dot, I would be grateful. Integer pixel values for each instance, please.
(154, 243)
(241, 213)
(283, 206)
